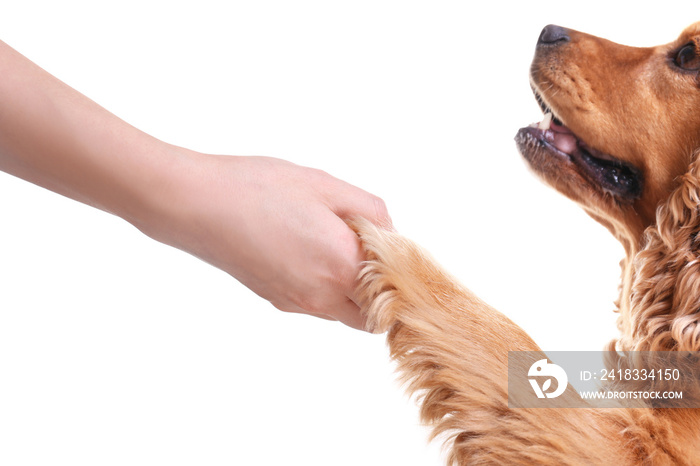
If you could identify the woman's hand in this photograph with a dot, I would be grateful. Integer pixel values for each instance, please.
(275, 226)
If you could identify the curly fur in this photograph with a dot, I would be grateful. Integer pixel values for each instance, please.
(442, 336)
(665, 291)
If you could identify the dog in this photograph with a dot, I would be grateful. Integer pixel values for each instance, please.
(620, 137)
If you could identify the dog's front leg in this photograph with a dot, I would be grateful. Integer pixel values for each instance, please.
(452, 350)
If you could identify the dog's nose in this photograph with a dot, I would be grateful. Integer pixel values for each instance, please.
(552, 35)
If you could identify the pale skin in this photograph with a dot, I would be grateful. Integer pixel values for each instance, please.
(276, 227)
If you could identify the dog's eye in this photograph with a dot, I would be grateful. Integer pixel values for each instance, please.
(687, 58)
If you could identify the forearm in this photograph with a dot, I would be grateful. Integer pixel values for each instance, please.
(55, 137)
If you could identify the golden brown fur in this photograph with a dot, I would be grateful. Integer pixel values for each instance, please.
(633, 108)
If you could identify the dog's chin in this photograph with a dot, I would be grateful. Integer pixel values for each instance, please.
(563, 159)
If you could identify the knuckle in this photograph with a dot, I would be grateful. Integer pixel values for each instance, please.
(314, 304)
(380, 207)
(381, 211)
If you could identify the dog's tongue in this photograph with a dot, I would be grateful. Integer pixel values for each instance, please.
(563, 139)
(560, 136)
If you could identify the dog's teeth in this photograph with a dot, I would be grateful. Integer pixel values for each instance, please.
(546, 122)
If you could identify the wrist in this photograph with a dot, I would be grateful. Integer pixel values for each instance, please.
(180, 196)
(159, 190)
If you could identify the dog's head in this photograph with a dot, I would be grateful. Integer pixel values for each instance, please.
(621, 123)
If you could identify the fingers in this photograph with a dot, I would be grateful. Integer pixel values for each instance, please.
(370, 207)
(373, 209)
(324, 282)
(346, 312)
(350, 314)
(350, 201)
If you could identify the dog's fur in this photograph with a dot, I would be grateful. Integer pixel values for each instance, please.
(638, 110)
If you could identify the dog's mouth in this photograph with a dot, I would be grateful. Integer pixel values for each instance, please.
(610, 174)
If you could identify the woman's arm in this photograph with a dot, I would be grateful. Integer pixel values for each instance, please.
(275, 226)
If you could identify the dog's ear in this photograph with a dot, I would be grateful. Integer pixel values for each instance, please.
(664, 311)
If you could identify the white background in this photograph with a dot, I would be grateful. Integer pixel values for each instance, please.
(115, 349)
